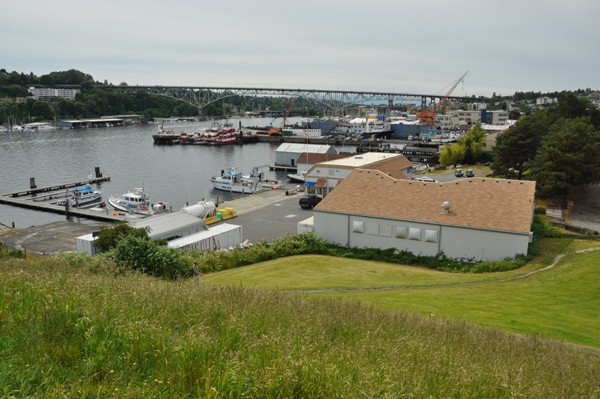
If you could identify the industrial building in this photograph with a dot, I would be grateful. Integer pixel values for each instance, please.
(476, 218)
(181, 230)
(287, 153)
(323, 177)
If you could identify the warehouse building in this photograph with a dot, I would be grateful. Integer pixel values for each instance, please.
(477, 218)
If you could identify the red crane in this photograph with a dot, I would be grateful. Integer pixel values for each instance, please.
(277, 130)
(426, 117)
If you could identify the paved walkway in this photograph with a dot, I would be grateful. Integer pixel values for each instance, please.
(586, 209)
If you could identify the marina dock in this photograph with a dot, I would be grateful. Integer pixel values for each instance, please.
(43, 199)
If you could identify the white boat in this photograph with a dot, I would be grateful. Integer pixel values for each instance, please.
(233, 181)
(81, 196)
(137, 202)
(257, 175)
(297, 178)
(38, 126)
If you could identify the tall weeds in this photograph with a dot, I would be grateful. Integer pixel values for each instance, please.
(80, 328)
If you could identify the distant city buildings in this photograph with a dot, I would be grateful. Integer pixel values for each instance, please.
(51, 95)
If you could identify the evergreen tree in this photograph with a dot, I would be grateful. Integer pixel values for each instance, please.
(569, 158)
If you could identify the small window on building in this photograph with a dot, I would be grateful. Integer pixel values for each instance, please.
(373, 229)
(414, 233)
(358, 227)
(385, 230)
(401, 232)
(431, 236)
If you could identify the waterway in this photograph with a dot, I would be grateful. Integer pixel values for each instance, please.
(176, 174)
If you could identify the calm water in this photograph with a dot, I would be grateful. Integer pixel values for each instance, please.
(176, 174)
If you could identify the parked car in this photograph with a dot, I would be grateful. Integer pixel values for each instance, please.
(470, 173)
(309, 201)
(459, 173)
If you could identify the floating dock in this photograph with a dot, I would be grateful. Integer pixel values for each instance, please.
(41, 199)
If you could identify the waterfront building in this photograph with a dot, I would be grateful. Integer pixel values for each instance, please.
(323, 177)
(477, 218)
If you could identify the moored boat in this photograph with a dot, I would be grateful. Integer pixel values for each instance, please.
(165, 137)
(137, 202)
(233, 181)
(222, 135)
(297, 178)
(257, 176)
(81, 196)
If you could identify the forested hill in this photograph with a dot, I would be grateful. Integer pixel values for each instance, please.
(93, 102)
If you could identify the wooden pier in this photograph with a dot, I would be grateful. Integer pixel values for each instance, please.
(31, 199)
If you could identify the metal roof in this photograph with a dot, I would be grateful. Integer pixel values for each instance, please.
(203, 235)
(299, 148)
(170, 224)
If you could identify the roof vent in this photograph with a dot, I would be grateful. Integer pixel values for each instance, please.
(445, 207)
(358, 157)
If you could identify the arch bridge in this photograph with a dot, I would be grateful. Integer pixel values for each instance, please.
(335, 100)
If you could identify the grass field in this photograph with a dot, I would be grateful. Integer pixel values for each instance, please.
(560, 303)
(87, 330)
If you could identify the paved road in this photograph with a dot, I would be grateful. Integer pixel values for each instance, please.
(273, 220)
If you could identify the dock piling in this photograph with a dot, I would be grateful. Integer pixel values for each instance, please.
(32, 183)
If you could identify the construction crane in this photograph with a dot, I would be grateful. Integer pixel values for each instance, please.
(426, 117)
(274, 131)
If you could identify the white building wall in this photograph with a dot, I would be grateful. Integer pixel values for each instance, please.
(419, 238)
(331, 227)
(218, 237)
(460, 242)
(85, 244)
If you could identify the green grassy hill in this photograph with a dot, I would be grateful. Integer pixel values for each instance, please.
(85, 329)
(559, 303)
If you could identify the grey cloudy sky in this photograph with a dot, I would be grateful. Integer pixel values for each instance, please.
(393, 46)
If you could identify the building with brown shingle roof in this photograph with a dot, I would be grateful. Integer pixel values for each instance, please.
(323, 177)
(478, 218)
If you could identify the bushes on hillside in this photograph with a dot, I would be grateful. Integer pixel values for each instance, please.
(149, 257)
(138, 253)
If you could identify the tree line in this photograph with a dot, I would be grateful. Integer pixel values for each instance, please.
(558, 147)
(94, 101)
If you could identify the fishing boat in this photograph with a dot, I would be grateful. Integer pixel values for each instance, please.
(233, 181)
(137, 202)
(81, 196)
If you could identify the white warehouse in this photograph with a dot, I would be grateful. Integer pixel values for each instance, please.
(478, 218)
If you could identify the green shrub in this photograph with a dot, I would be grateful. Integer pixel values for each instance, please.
(149, 257)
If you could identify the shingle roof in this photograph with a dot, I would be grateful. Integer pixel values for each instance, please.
(391, 164)
(496, 204)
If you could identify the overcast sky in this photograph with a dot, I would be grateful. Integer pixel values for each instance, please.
(396, 46)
